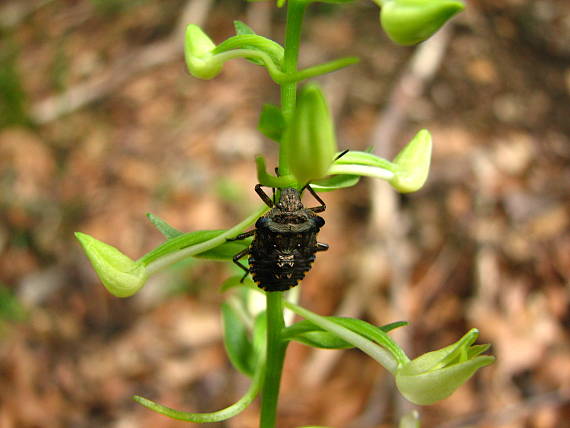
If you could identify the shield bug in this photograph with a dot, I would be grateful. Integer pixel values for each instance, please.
(285, 240)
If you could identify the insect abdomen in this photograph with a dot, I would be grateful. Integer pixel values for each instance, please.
(279, 272)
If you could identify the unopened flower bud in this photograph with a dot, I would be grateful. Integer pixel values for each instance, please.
(310, 137)
(198, 49)
(436, 375)
(120, 275)
(408, 22)
(412, 164)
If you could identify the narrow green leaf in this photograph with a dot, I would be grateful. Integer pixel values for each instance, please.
(355, 157)
(335, 182)
(226, 251)
(373, 333)
(323, 340)
(242, 28)
(236, 341)
(163, 227)
(271, 122)
(310, 334)
(178, 243)
(393, 325)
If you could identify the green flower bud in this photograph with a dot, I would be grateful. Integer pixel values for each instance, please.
(412, 164)
(120, 275)
(310, 137)
(436, 375)
(198, 49)
(408, 22)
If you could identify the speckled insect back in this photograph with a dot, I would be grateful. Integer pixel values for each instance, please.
(285, 241)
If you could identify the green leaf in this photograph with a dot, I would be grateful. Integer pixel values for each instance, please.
(387, 357)
(242, 28)
(322, 339)
(163, 227)
(335, 182)
(310, 334)
(226, 251)
(372, 333)
(237, 342)
(178, 243)
(355, 157)
(271, 122)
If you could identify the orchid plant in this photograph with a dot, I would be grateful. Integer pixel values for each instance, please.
(256, 342)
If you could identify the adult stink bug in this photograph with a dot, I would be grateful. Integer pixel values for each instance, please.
(285, 240)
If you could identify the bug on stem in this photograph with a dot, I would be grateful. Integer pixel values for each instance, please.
(285, 240)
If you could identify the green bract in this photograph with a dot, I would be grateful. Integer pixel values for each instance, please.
(198, 49)
(310, 136)
(119, 274)
(408, 22)
(435, 375)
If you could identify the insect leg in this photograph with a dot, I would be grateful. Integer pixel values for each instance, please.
(242, 236)
(321, 246)
(236, 258)
(321, 207)
(263, 195)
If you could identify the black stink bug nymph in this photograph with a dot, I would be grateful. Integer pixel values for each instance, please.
(285, 240)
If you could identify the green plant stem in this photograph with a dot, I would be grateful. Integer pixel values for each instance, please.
(295, 14)
(275, 357)
(275, 347)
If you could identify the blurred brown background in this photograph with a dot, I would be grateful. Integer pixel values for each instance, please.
(99, 124)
